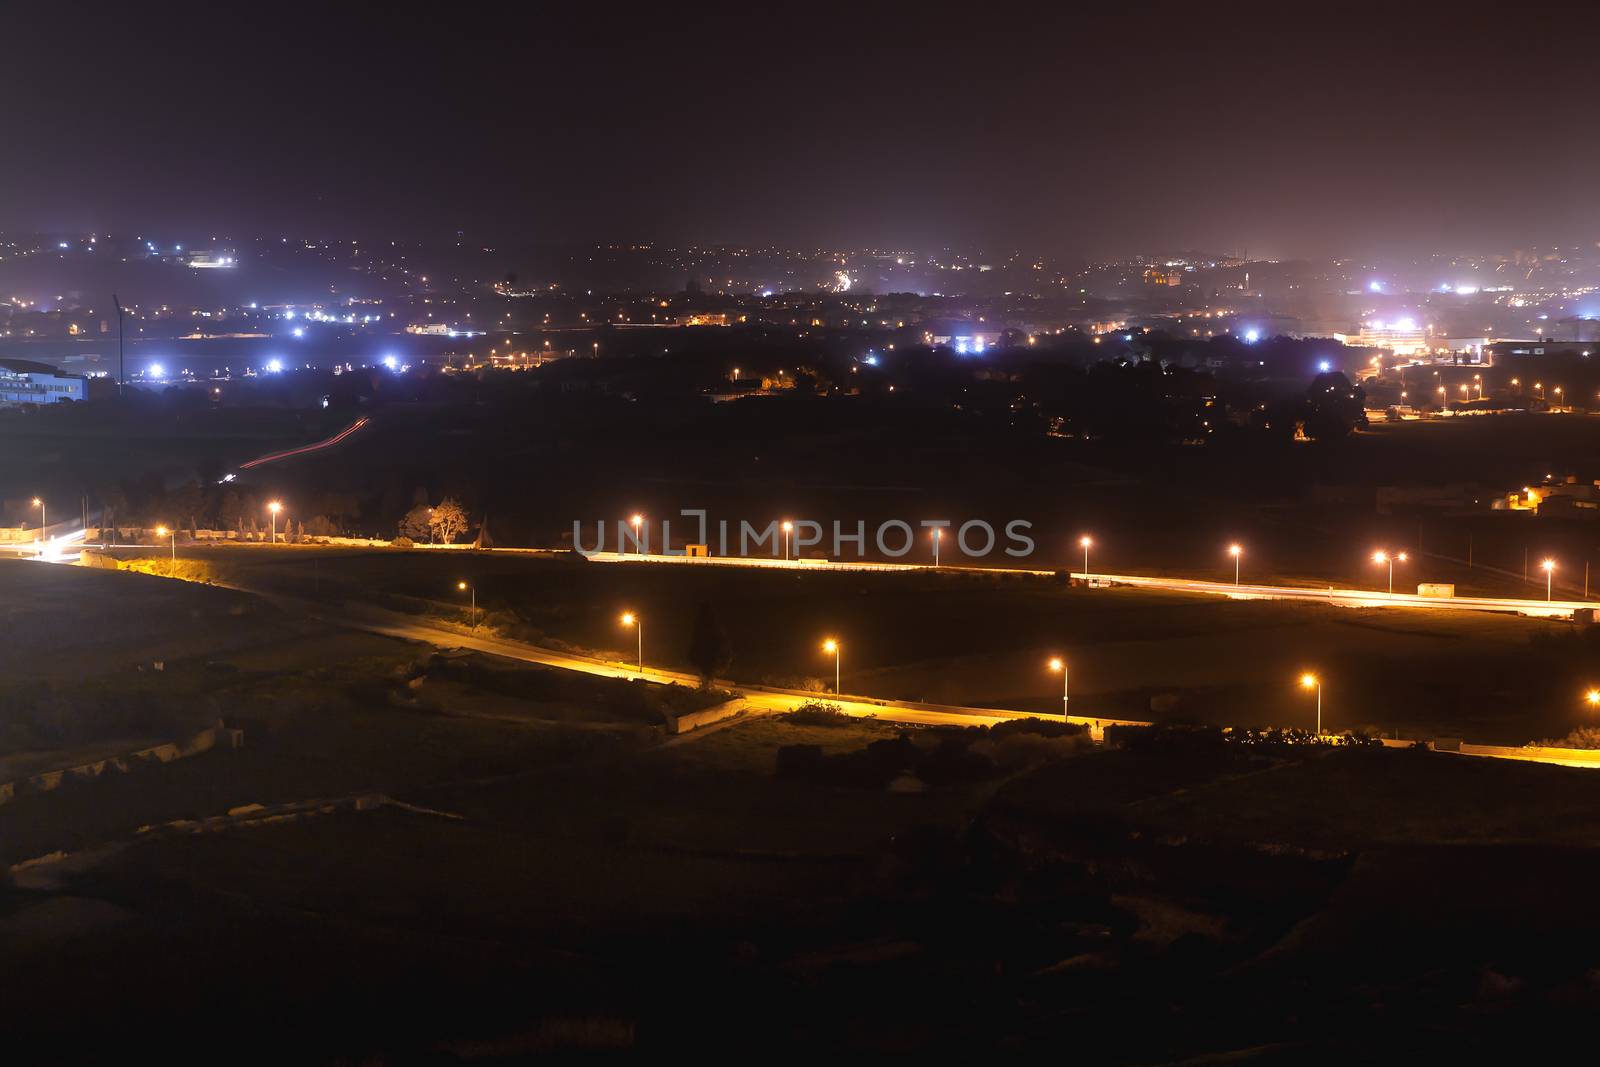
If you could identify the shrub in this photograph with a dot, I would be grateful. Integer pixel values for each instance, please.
(1582, 737)
(402, 542)
(817, 713)
(1042, 727)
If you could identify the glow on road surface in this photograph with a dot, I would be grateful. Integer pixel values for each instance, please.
(1350, 598)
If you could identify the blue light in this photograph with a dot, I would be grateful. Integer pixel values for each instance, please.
(274, 365)
(871, 361)
(157, 371)
(1324, 366)
(391, 362)
(299, 331)
(1251, 336)
(1374, 286)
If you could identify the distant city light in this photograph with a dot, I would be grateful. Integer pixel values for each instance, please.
(157, 371)
(1324, 366)
(391, 362)
(274, 365)
(1374, 286)
(1251, 336)
(299, 331)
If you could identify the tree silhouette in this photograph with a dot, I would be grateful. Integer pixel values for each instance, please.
(709, 649)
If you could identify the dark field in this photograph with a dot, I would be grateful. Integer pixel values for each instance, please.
(984, 640)
(458, 859)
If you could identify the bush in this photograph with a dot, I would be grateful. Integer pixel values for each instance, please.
(1582, 737)
(402, 542)
(817, 713)
(1042, 727)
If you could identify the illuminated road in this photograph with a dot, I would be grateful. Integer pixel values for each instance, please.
(767, 700)
(758, 698)
(1353, 598)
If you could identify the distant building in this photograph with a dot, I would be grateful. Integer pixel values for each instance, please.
(1403, 338)
(1502, 350)
(25, 382)
(212, 260)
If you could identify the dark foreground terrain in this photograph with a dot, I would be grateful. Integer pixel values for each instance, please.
(417, 858)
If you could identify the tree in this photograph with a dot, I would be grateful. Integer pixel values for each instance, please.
(1334, 407)
(709, 649)
(448, 520)
(417, 522)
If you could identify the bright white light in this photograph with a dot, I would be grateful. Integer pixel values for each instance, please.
(1324, 366)
(1251, 336)
(1466, 290)
(157, 371)
(1407, 323)
(299, 331)
(1375, 286)
(871, 361)
(274, 365)
(391, 362)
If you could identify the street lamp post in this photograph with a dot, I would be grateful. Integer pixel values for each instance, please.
(1549, 568)
(467, 587)
(1059, 664)
(1235, 551)
(273, 508)
(1311, 681)
(788, 528)
(630, 619)
(1381, 556)
(830, 645)
(638, 545)
(162, 531)
(38, 502)
(936, 532)
(1593, 698)
(1084, 542)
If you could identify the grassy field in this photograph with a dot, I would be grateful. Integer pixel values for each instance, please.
(984, 641)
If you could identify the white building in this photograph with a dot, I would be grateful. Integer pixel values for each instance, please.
(25, 382)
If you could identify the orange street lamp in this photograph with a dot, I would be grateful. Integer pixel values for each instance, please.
(1382, 557)
(1084, 542)
(1311, 681)
(830, 645)
(1059, 664)
(1592, 697)
(1235, 551)
(162, 531)
(467, 587)
(274, 508)
(788, 528)
(630, 619)
(1549, 568)
(638, 521)
(936, 532)
(38, 502)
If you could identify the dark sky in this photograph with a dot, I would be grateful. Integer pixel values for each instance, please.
(1286, 130)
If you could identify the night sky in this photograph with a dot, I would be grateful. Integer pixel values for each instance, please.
(1294, 130)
